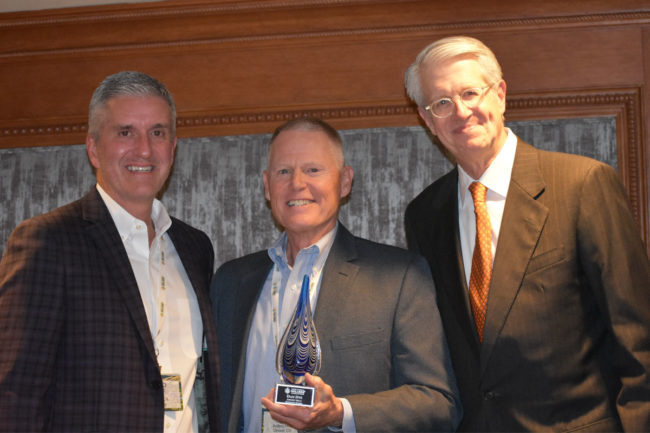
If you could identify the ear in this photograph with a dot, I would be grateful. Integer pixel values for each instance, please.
(91, 148)
(424, 114)
(267, 193)
(174, 148)
(500, 90)
(347, 175)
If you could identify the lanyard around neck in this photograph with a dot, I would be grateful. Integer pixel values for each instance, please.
(159, 302)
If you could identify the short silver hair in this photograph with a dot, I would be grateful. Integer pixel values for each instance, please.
(126, 83)
(443, 50)
(313, 124)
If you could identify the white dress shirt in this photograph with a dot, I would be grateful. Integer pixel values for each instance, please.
(497, 180)
(169, 302)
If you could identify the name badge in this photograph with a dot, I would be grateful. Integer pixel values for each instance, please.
(172, 392)
(269, 425)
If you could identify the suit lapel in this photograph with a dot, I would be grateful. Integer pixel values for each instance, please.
(185, 251)
(199, 280)
(338, 274)
(245, 302)
(109, 244)
(448, 259)
(515, 248)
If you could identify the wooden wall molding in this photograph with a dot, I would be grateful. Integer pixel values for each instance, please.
(309, 11)
(30, 135)
(157, 10)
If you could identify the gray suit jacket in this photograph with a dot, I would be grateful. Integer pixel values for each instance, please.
(566, 339)
(76, 350)
(381, 338)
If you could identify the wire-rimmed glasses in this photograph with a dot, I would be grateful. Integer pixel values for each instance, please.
(470, 97)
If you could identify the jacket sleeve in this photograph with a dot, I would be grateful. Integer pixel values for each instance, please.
(618, 271)
(31, 318)
(423, 394)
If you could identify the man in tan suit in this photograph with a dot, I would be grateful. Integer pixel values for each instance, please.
(542, 280)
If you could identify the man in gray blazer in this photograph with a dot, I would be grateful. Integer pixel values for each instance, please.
(554, 333)
(385, 364)
(105, 318)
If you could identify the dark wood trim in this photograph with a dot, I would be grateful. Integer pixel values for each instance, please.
(188, 40)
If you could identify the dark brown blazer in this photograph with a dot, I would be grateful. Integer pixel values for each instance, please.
(566, 338)
(76, 352)
(382, 342)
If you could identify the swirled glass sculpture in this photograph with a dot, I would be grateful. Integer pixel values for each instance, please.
(299, 350)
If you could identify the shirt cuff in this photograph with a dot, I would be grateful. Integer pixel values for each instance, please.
(348, 419)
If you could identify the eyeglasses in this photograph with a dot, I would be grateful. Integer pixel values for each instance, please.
(471, 98)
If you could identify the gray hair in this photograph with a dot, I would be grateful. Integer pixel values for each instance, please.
(313, 124)
(126, 83)
(443, 50)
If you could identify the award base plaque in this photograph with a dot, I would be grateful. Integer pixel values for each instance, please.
(296, 395)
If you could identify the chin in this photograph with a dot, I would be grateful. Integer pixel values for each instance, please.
(298, 225)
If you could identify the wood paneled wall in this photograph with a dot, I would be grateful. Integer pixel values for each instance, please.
(243, 67)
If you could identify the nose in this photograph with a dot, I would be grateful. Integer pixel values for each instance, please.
(143, 146)
(297, 179)
(460, 109)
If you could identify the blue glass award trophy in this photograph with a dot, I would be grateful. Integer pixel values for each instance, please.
(298, 353)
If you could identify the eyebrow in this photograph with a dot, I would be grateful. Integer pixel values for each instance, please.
(156, 126)
(462, 90)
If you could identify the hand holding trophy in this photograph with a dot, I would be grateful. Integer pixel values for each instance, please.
(298, 353)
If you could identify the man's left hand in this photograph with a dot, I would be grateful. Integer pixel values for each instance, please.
(326, 412)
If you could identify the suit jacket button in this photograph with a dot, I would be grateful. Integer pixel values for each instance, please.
(489, 396)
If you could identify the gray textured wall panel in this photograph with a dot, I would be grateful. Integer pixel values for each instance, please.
(217, 185)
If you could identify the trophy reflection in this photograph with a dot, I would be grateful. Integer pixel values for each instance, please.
(298, 353)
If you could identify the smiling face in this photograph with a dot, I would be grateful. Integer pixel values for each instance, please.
(474, 136)
(133, 150)
(304, 183)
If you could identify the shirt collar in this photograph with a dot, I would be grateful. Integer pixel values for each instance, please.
(497, 176)
(318, 251)
(126, 223)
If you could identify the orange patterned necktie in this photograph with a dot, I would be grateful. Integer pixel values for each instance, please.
(479, 280)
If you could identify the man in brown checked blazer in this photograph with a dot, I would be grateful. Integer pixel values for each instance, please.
(543, 285)
(105, 320)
